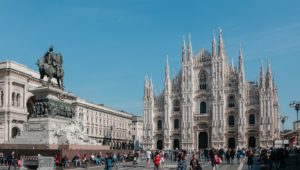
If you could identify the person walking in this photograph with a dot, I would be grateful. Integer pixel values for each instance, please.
(250, 161)
(194, 164)
(109, 162)
(148, 154)
(11, 160)
(227, 155)
(162, 159)
(135, 157)
(217, 160)
(182, 165)
(206, 156)
(239, 155)
(232, 154)
(156, 160)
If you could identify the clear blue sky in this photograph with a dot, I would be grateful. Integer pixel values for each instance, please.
(108, 46)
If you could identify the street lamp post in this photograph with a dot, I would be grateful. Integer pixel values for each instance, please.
(296, 105)
(283, 119)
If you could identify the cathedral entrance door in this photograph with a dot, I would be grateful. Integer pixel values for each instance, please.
(159, 144)
(176, 144)
(231, 143)
(203, 140)
(252, 142)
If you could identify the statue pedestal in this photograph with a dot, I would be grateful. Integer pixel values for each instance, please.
(54, 121)
(52, 131)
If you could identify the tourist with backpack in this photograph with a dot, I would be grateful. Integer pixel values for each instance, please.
(182, 165)
(194, 164)
(109, 163)
(239, 155)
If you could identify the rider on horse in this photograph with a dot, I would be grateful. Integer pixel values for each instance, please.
(51, 66)
(49, 56)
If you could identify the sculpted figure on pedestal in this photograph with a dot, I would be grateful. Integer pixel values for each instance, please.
(50, 65)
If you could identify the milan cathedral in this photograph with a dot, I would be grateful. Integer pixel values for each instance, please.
(210, 104)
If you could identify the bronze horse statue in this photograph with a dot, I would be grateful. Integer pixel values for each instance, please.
(52, 70)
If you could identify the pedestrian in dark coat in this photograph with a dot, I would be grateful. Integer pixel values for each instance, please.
(250, 160)
(232, 154)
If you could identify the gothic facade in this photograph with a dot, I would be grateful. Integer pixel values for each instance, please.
(210, 104)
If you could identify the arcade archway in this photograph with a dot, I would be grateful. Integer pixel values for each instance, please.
(14, 132)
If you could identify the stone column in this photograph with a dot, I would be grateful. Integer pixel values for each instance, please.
(208, 138)
(8, 129)
(24, 98)
(197, 140)
(6, 104)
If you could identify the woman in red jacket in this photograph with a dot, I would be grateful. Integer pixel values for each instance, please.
(156, 161)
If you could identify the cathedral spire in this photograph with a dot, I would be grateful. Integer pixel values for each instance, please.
(146, 87)
(269, 76)
(167, 72)
(167, 80)
(262, 76)
(241, 64)
(151, 89)
(183, 51)
(190, 50)
(221, 45)
(269, 68)
(214, 48)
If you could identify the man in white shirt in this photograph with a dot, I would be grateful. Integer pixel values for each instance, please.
(148, 154)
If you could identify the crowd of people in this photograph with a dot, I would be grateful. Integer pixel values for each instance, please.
(10, 160)
(108, 160)
(267, 158)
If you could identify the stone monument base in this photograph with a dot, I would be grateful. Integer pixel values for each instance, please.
(52, 131)
(54, 121)
(54, 147)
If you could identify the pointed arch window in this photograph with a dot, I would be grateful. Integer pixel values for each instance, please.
(159, 125)
(176, 105)
(176, 124)
(251, 119)
(231, 121)
(202, 108)
(231, 101)
(202, 80)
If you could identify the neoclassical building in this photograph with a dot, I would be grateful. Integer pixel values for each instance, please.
(108, 126)
(210, 103)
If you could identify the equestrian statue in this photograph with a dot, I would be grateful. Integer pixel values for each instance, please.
(50, 65)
